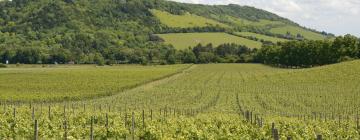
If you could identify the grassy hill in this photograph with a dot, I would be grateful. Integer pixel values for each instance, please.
(297, 30)
(185, 40)
(260, 36)
(106, 30)
(186, 20)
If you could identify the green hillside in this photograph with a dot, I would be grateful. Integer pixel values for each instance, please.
(186, 20)
(99, 31)
(185, 40)
(261, 37)
(297, 30)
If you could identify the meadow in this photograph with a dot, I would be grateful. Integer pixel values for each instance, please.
(261, 37)
(210, 101)
(186, 20)
(186, 40)
(297, 30)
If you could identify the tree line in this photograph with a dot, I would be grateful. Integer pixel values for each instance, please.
(309, 53)
(305, 53)
(153, 54)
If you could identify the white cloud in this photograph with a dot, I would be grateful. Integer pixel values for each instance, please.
(335, 16)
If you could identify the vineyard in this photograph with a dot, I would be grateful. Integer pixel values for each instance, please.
(212, 101)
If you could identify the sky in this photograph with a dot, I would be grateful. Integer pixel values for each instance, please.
(334, 16)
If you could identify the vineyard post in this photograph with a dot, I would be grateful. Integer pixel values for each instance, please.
(107, 125)
(319, 137)
(275, 134)
(143, 118)
(36, 130)
(357, 122)
(14, 113)
(64, 111)
(151, 114)
(288, 138)
(92, 128)
(49, 112)
(84, 107)
(133, 126)
(65, 129)
(33, 113)
(251, 119)
(125, 119)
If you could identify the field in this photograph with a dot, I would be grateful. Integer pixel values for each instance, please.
(212, 101)
(186, 40)
(297, 30)
(261, 23)
(35, 83)
(185, 21)
(263, 37)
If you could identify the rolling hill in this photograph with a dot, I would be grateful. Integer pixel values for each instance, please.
(85, 31)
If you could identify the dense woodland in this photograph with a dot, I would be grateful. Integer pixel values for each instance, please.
(114, 32)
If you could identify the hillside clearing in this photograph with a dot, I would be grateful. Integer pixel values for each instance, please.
(297, 30)
(186, 20)
(261, 37)
(186, 40)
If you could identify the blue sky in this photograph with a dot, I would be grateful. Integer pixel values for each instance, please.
(335, 16)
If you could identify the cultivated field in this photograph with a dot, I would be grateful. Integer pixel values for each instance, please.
(212, 101)
(186, 40)
(260, 36)
(56, 83)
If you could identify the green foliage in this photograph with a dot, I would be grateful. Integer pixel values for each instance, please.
(310, 53)
(82, 31)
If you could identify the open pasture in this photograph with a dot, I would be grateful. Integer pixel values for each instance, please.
(261, 37)
(186, 40)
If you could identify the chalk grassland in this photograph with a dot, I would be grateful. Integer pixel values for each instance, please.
(186, 20)
(75, 82)
(262, 37)
(186, 40)
(207, 102)
(297, 30)
(260, 23)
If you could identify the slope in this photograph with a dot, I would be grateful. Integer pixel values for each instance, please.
(185, 40)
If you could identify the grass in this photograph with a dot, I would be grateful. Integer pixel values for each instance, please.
(297, 30)
(260, 36)
(185, 40)
(260, 23)
(34, 83)
(185, 21)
